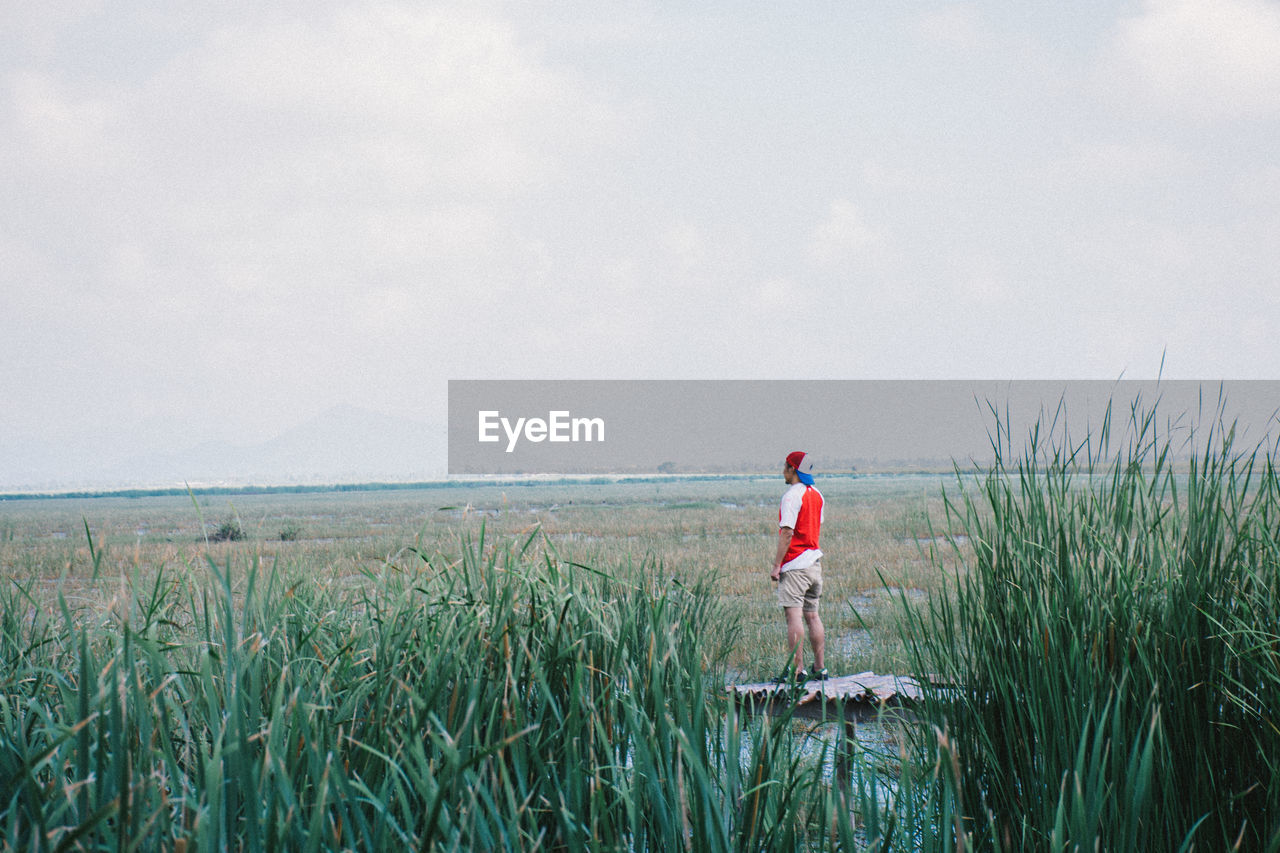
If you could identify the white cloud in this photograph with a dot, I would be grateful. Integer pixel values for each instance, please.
(844, 237)
(304, 146)
(958, 26)
(52, 127)
(1212, 58)
(248, 212)
(417, 98)
(1125, 163)
(287, 197)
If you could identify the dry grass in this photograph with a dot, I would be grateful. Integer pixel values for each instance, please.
(472, 667)
(875, 528)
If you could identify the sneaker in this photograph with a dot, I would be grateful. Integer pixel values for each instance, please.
(820, 674)
(789, 678)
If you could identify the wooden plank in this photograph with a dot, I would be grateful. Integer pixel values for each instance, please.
(865, 688)
(843, 700)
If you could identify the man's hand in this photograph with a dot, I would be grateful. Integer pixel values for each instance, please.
(776, 574)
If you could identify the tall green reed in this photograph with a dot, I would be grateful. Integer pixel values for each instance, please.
(1107, 654)
(500, 697)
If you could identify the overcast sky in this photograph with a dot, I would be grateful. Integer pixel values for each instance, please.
(220, 219)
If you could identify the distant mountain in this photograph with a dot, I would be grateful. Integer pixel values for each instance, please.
(348, 444)
(344, 444)
(32, 462)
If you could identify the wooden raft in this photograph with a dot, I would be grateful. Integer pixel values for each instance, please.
(845, 697)
(843, 700)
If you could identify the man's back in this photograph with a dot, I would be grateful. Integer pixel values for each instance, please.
(801, 510)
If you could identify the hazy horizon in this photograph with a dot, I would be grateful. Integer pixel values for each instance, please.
(687, 427)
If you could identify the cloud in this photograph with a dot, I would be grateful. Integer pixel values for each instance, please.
(843, 237)
(424, 96)
(259, 206)
(957, 26)
(53, 127)
(271, 114)
(241, 214)
(1212, 58)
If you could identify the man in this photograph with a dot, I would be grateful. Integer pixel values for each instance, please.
(797, 565)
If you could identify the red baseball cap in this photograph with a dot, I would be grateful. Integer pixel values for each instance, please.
(803, 466)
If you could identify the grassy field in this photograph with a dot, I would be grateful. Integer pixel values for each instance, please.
(692, 529)
(542, 667)
(167, 689)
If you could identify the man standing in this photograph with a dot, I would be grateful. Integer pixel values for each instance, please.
(797, 565)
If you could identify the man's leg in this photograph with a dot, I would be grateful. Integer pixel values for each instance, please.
(795, 635)
(817, 638)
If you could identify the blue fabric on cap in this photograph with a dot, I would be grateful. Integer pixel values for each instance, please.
(807, 479)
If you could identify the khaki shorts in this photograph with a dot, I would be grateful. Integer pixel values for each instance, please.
(801, 588)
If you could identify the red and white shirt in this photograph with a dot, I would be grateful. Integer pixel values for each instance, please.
(801, 510)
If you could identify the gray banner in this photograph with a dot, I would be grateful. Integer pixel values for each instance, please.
(529, 427)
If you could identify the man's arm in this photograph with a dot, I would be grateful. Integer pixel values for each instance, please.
(784, 542)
